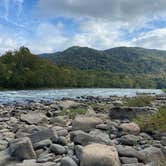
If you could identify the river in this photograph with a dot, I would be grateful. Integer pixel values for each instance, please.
(52, 94)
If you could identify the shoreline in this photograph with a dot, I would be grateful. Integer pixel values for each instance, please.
(51, 133)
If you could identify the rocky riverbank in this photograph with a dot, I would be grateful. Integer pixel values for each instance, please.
(91, 131)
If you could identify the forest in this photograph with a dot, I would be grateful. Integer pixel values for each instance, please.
(20, 69)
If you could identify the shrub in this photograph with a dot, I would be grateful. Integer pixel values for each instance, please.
(164, 90)
(139, 101)
(153, 122)
(71, 113)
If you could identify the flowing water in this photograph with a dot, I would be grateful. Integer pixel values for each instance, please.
(52, 94)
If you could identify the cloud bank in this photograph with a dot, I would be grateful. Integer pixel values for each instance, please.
(53, 25)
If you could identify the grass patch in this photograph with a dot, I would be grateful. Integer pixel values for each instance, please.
(164, 90)
(71, 113)
(153, 122)
(139, 101)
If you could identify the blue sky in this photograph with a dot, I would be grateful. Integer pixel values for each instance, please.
(53, 25)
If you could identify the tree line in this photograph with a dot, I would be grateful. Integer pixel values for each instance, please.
(20, 69)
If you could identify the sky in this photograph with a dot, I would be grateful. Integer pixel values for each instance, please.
(53, 25)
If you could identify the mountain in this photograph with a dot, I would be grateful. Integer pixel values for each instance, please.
(20, 69)
(130, 60)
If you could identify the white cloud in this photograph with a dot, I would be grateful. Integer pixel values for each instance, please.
(100, 25)
(7, 6)
(152, 39)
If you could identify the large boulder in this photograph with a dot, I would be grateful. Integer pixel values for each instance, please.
(85, 123)
(99, 155)
(34, 118)
(22, 149)
(129, 112)
(131, 128)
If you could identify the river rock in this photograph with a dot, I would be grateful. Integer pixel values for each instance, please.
(152, 154)
(128, 160)
(131, 128)
(42, 135)
(128, 151)
(67, 161)
(66, 104)
(82, 138)
(34, 118)
(22, 149)
(134, 164)
(99, 155)
(43, 144)
(57, 149)
(33, 163)
(5, 157)
(129, 139)
(45, 157)
(60, 131)
(85, 123)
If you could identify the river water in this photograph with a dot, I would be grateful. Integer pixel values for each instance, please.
(52, 94)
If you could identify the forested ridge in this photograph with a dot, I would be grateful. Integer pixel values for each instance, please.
(20, 69)
(126, 60)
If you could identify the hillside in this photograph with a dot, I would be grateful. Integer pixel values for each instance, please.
(21, 69)
(129, 60)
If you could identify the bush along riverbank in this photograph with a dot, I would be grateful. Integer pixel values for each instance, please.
(91, 131)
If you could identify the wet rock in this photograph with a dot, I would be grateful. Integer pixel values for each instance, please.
(99, 155)
(22, 149)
